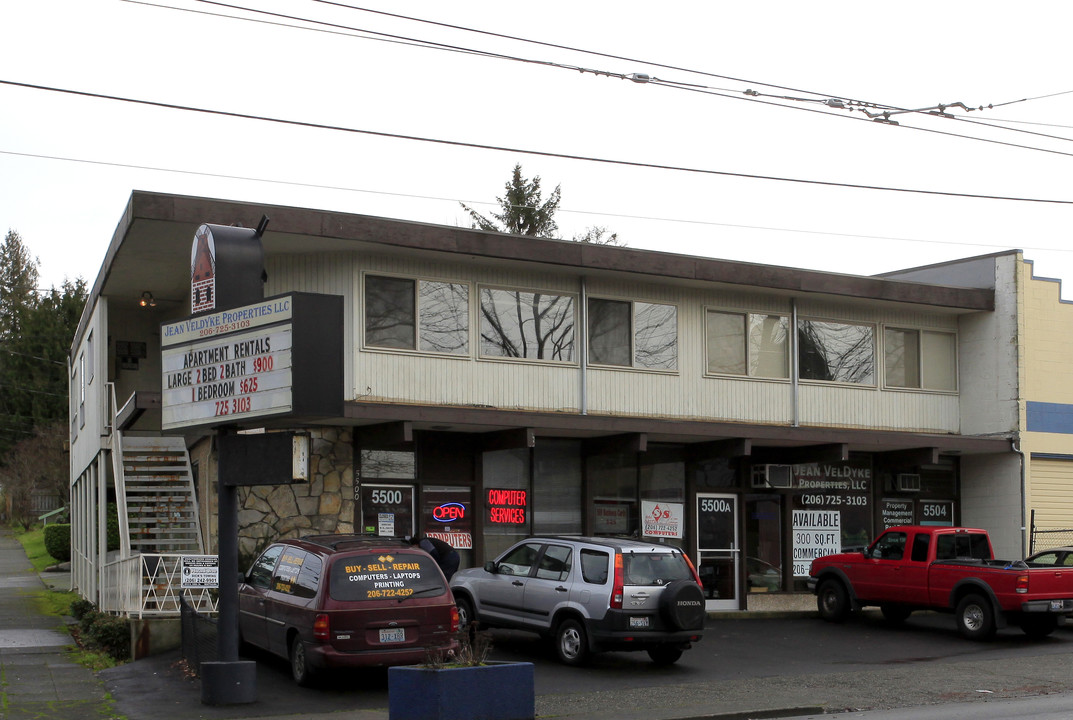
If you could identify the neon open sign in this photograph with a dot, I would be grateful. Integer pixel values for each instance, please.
(449, 512)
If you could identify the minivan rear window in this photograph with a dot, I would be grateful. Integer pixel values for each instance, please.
(385, 575)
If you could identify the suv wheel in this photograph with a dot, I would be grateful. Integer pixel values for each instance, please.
(571, 644)
(301, 671)
(466, 615)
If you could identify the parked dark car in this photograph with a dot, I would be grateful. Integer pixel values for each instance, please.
(1054, 557)
(339, 601)
(589, 594)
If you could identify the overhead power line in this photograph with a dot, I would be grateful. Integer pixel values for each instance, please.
(821, 97)
(882, 112)
(528, 151)
(437, 198)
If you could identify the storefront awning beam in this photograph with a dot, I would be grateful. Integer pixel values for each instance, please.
(805, 455)
(914, 457)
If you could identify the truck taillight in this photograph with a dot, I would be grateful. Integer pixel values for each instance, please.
(617, 589)
(321, 627)
(454, 619)
(1022, 583)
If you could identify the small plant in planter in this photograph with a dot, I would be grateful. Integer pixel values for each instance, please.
(463, 686)
(473, 649)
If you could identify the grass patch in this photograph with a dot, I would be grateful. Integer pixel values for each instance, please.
(33, 542)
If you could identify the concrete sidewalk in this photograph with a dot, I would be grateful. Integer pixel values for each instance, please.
(38, 678)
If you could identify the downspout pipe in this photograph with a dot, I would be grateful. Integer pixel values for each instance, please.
(795, 388)
(583, 350)
(1024, 495)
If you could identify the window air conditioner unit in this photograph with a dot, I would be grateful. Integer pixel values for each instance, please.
(772, 476)
(909, 482)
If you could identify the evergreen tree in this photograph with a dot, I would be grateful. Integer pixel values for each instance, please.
(18, 284)
(36, 330)
(525, 212)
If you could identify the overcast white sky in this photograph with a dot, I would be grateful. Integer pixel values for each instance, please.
(68, 163)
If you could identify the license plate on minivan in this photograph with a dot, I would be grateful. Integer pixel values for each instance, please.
(393, 635)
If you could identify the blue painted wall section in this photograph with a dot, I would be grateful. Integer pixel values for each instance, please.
(1049, 417)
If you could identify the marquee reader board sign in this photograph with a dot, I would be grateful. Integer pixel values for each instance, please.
(281, 357)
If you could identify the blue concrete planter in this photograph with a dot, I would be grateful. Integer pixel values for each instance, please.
(495, 691)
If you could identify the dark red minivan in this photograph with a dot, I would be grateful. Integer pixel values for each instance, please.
(337, 601)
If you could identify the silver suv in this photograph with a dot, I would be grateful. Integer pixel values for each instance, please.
(588, 594)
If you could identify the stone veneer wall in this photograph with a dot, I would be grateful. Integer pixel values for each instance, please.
(323, 505)
(269, 512)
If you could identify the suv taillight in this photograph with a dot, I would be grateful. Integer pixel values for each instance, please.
(617, 589)
(692, 569)
(321, 627)
(454, 619)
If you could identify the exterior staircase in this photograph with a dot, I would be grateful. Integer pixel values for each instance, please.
(157, 499)
(158, 525)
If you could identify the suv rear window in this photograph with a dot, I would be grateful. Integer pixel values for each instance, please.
(383, 575)
(654, 568)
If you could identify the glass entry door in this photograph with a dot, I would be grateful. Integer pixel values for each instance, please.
(718, 551)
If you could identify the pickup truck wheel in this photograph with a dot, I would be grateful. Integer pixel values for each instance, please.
(975, 619)
(571, 644)
(895, 614)
(832, 601)
(1039, 626)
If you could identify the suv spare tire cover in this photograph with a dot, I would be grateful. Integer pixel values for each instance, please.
(682, 604)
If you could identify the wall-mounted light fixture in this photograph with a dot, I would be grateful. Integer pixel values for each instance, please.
(147, 300)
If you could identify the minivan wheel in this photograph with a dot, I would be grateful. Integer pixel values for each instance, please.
(301, 670)
(665, 654)
(571, 644)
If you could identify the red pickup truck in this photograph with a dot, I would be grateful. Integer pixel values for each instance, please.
(946, 569)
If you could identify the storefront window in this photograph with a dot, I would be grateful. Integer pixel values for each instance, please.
(763, 543)
(831, 511)
(384, 464)
(447, 514)
(505, 503)
(613, 483)
(557, 502)
(662, 495)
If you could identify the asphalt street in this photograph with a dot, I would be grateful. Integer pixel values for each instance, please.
(772, 666)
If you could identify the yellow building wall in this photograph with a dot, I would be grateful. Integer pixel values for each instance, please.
(1046, 405)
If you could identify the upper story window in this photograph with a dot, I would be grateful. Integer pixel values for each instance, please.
(526, 324)
(633, 334)
(425, 315)
(836, 351)
(751, 344)
(922, 359)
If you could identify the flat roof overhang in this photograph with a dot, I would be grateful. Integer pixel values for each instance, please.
(150, 250)
(373, 416)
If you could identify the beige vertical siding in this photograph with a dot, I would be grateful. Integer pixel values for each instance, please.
(684, 393)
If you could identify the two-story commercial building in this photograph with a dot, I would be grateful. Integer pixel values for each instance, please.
(496, 386)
